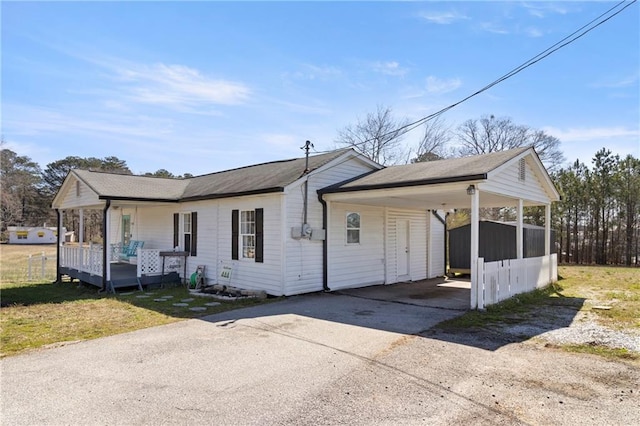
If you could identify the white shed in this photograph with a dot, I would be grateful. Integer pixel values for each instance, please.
(33, 235)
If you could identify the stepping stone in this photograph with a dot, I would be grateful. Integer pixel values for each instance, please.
(191, 299)
(212, 304)
(126, 294)
(198, 309)
(151, 294)
(181, 304)
(167, 297)
(159, 300)
(142, 296)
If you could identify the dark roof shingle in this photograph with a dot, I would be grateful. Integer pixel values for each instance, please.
(440, 171)
(259, 178)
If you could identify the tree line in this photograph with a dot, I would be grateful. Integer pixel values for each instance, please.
(28, 191)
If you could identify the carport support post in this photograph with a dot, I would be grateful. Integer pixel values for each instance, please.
(519, 237)
(547, 238)
(475, 233)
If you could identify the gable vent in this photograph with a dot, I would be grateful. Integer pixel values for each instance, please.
(521, 169)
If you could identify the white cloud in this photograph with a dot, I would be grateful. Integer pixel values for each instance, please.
(540, 9)
(619, 82)
(179, 86)
(390, 68)
(533, 32)
(442, 17)
(315, 72)
(583, 134)
(492, 27)
(437, 86)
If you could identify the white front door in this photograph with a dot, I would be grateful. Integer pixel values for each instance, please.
(402, 249)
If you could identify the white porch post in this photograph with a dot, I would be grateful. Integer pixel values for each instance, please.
(519, 239)
(106, 236)
(81, 238)
(475, 243)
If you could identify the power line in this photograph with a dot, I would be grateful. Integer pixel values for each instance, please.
(590, 26)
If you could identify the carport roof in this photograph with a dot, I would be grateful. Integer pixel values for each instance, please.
(432, 172)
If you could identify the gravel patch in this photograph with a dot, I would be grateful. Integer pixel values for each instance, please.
(587, 331)
(565, 325)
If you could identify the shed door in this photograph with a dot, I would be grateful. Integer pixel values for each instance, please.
(402, 248)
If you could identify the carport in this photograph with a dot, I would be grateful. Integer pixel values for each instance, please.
(514, 178)
(440, 292)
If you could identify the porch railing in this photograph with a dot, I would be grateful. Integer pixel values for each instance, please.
(503, 279)
(89, 259)
(82, 258)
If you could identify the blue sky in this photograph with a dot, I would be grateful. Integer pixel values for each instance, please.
(196, 87)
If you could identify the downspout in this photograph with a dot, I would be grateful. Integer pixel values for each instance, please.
(58, 275)
(105, 237)
(444, 223)
(325, 245)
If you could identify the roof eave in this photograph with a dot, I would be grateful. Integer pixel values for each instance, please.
(436, 181)
(233, 194)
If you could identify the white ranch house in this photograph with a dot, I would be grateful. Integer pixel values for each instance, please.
(281, 227)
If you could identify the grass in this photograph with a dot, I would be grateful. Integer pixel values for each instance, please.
(585, 287)
(40, 314)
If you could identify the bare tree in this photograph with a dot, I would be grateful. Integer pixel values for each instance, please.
(491, 134)
(434, 144)
(377, 137)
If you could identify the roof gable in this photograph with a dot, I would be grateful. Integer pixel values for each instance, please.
(440, 171)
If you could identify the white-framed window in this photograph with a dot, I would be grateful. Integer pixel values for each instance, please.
(248, 234)
(185, 231)
(353, 228)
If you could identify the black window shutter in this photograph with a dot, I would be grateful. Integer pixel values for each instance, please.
(194, 233)
(234, 233)
(176, 229)
(259, 235)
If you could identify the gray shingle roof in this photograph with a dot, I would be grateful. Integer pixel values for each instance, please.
(111, 185)
(440, 171)
(260, 178)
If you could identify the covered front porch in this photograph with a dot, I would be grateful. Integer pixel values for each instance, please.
(107, 264)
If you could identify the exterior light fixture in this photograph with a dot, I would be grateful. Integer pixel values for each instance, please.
(471, 190)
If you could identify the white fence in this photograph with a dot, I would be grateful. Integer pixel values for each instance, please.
(503, 279)
(82, 258)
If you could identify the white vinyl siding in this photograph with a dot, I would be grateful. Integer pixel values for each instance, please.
(356, 265)
(303, 257)
(508, 182)
(79, 195)
(246, 273)
(417, 243)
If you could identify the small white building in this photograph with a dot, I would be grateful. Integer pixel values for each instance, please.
(288, 227)
(33, 235)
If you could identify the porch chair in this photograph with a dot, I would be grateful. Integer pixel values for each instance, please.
(130, 250)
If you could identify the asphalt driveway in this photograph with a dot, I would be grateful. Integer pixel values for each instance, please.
(310, 360)
(246, 366)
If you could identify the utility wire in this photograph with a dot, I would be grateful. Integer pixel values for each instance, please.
(535, 59)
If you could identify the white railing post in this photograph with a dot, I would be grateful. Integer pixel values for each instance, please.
(480, 277)
(29, 269)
